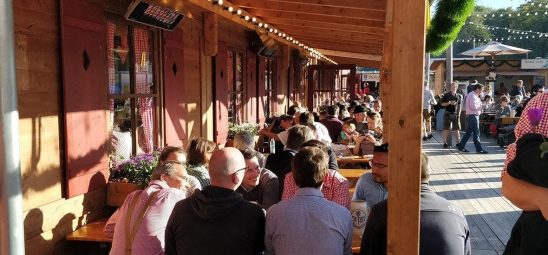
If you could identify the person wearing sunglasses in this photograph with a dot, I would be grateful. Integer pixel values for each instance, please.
(217, 220)
(259, 185)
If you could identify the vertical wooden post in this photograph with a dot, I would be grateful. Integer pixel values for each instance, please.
(386, 70)
(206, 94)
(282, 85)
(406, 73)
(211, 33)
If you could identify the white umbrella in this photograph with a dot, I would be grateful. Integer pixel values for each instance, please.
(494, 48)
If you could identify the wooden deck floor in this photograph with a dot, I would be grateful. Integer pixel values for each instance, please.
(472, 181)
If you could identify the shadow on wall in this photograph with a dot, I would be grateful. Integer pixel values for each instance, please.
(46, 229)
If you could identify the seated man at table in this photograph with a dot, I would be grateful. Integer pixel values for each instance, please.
(334, 188)
(217, 220)
(259, 185)
(443, 227)
(245, 140)
(308, 223)
(280, 162)
(372, 187)
(145, 212)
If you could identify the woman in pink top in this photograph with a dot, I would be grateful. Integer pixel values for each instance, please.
(138, 226)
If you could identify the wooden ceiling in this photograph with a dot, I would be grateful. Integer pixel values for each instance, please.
(347, 31)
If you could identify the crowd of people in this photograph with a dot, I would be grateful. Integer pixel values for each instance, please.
(234, 200)
(475, 105)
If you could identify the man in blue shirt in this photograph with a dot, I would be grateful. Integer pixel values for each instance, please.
(308, 223)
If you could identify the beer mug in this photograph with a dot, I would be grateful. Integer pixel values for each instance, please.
(360, 212)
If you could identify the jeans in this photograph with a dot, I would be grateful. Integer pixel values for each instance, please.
(472, 128)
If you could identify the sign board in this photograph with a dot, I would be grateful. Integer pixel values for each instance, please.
(371, 77)
(538, 63)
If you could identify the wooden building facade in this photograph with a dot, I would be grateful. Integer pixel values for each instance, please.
(86, 74)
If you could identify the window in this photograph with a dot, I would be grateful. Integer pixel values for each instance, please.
(133, 94)
(269, 81)
(235, 81)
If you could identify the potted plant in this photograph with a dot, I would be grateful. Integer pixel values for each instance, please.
(130, 175)
(233, 129)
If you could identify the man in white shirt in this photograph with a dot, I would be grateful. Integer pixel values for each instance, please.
(473, 106)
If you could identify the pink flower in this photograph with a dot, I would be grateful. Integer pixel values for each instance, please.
(535, 115)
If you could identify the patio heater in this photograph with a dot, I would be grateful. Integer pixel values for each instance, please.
(148, 13)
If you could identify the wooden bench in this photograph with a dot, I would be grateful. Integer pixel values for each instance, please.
(354, 159)
(92, 232)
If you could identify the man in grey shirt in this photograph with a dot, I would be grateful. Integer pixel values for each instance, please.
(259, 185)
(443, 227)
(308, 223)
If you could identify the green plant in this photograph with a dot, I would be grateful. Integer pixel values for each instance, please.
(233, 129)
(448, 20)
(138, 169)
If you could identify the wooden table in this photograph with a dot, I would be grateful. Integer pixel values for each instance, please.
(352, 175)
(354, 159)
(508, 120)
(92, 232)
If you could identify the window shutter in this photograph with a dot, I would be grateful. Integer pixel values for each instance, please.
(83, 39)
(220, 90)
(175, 131)
(251, 89)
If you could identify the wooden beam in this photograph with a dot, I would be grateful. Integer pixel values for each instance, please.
(358, 62)
(369, 5)
(211, 33)
(406, 70)
(315, 24)
(324, 31)
(349, 44)
(347, 54)
(340, 11)
(342, 47)
(357, 21)
(320, 33)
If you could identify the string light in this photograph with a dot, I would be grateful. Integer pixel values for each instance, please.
(313, 52)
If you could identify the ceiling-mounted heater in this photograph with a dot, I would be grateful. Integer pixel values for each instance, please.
(153, 15)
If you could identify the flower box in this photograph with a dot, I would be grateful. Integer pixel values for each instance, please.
(118, 191)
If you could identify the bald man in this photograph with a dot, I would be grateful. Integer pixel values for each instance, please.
(217, 220)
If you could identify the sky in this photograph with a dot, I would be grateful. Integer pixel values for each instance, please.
(497, 4)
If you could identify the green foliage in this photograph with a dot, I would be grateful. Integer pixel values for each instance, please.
(233, 129)
(508, 18)
(137, 169)
(447, 22)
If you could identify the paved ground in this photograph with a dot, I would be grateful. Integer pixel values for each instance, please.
(472, 181)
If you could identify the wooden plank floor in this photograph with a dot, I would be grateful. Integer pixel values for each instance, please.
(472, 181)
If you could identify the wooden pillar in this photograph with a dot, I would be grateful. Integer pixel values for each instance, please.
(406, 75)
(282, 92)
(206, 94)
(211, 33)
